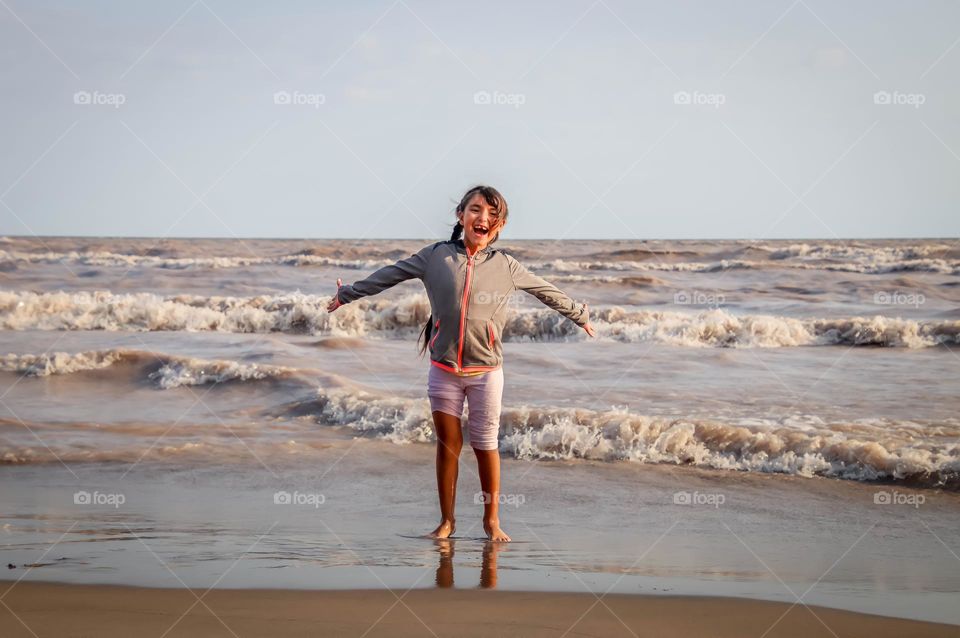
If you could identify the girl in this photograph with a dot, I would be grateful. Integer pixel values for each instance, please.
(468, 284)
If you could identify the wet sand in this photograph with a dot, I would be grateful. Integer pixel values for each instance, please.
(43, 609)
(581, 527)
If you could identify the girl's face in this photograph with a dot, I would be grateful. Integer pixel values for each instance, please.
(481, 222)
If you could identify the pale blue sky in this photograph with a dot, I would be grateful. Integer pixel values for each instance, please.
(590, 144)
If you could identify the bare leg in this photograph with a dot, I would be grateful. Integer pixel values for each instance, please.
(488, 462)
(449, 444)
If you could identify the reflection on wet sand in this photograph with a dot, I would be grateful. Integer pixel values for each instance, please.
(488, 568)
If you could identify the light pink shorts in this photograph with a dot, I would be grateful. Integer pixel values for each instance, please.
(484, 393)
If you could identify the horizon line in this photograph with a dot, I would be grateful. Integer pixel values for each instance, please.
(195, 237)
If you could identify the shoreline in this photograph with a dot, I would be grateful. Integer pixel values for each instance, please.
(581, 527)
(110, 610)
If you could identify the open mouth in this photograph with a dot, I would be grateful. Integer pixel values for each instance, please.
(481, 230)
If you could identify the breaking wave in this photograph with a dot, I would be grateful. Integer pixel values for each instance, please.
(924, 454)
(105, 258)
(290, 313)
(170, 371)
(936, 258)
(944, 266)
(720, 328)
(859, 450)
(403, 317)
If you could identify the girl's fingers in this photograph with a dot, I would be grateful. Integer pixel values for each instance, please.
(335, 302)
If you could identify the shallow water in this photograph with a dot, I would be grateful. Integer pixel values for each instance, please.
(811, 384)
(355, 513)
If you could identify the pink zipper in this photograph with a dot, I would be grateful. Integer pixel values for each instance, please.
(490, 330)
(463, 311)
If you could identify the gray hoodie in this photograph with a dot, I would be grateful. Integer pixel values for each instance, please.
(468, 299)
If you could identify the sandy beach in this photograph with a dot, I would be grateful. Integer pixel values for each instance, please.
(96, 610)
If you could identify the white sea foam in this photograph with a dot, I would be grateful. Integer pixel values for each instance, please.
(845, 258)
(945, 266)
(721, 328)
(803, 445)
(43, 365)
(171, 371)
(300, 313)
(861, 450)
(187, 372)
(292, 313)
(106, 258)
(856, 252)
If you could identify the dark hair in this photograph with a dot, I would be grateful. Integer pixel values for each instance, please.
(493, 198)
(496, 201)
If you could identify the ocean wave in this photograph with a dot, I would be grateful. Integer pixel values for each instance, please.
(403, 317)
(923, 454)
(857, 252)
(720, 328)
(944, 266)
(171, 371)
(290, 313)
(106, 258)
(864, 450)
(843, 258)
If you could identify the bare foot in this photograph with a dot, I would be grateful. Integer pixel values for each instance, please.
(444, 530)
(494, 533)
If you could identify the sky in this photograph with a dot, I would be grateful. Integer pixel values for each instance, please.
(594, 118)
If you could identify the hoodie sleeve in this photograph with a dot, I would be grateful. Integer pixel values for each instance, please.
(412, 267)
(546, 292)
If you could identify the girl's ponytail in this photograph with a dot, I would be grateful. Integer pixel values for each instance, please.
(457, 229)
(425, 333)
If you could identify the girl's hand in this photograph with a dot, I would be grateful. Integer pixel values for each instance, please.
(589, 327)
(335, 302)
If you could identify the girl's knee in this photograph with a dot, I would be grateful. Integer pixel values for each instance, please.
(451, 441)
(486, 450)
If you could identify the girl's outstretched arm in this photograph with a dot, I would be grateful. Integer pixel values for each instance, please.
(549, 295)
(412, 267)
